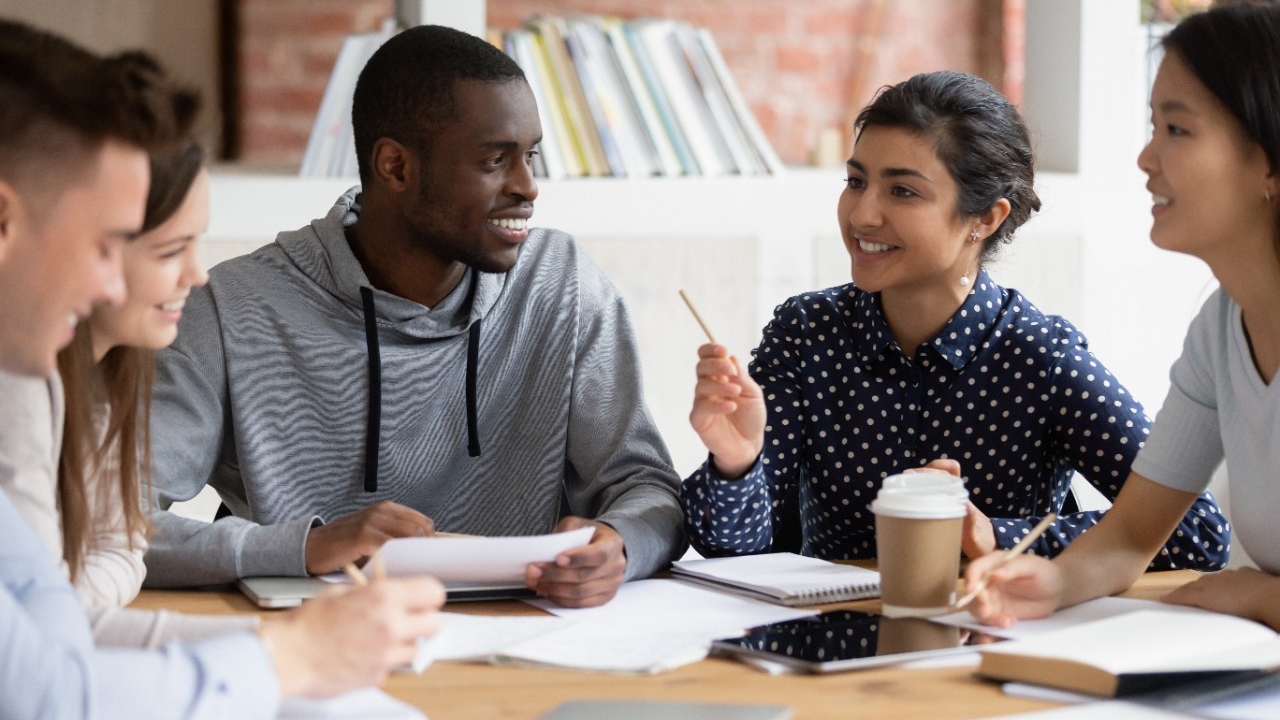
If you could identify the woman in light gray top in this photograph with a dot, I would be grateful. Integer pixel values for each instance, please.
(1212, 168)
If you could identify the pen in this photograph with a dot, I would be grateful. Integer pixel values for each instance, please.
(696, 316)
(1009, 554)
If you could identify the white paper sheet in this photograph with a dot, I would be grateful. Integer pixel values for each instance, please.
(483, 637)
(1098, 609)
(487, 560)
(650, 626)
(670, 606)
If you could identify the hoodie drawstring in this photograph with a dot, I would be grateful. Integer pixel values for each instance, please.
(473, 357)
(374, 428)
(373, 432)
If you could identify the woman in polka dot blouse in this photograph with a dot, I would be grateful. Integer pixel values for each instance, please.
(923, 356)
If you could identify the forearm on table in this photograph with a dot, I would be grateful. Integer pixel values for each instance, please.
(1113, 554)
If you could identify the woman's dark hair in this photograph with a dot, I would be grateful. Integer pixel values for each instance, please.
(977, 134)
(1233, 49)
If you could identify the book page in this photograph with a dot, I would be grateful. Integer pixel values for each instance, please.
(1098, 609)
(1154, 641)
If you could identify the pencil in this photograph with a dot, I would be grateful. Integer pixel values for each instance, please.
(1009, 554)
(379, 567)
(696, 316)
(354, 573)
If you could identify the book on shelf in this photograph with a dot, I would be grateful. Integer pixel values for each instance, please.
(756, 139)
(624, 98)
(667, 124)
(726, 126)
(783, 578)
(1136, 652)
(553, 160)
(616, 105)
(331, 146)
(650, 122)
(688, 105)
(552, 31)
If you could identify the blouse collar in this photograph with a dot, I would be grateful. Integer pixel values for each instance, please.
(956, 343)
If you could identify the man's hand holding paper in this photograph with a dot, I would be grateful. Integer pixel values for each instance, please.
(584, 576)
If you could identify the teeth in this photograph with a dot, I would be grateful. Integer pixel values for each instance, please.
(870, 247)
(173, 305)
(512, 223)
(1160, 200)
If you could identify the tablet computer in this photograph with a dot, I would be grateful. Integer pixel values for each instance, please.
(840, 640)
(287, 592)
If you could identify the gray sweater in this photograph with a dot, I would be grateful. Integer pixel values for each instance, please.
(266, 396)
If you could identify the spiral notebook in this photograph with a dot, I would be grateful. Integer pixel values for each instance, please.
(784, 578)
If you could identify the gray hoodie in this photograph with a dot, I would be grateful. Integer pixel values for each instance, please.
(516, 393)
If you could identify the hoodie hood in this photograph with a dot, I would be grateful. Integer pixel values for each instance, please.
(321, 252)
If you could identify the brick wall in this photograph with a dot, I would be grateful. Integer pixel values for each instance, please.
(803, 65)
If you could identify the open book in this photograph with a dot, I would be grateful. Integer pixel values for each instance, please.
(1135, 652)
(784, 578)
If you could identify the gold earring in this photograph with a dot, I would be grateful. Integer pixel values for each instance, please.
(973, 235)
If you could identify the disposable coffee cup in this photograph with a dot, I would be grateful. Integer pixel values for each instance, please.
(903, 635)
(919, 520)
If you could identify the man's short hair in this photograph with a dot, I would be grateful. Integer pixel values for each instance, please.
(406, 88)
(59, 103)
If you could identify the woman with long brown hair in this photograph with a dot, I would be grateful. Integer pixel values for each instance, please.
(93, 519)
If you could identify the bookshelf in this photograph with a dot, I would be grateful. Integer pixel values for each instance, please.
(740, 245)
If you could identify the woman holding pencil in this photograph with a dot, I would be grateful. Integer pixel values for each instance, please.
(1212, 166)
(923, 356)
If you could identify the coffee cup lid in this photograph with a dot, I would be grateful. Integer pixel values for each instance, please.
(927, 480)
(919, 502)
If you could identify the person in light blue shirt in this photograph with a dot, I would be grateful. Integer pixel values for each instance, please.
(1213, 170)
(923, 356)
(75, 132)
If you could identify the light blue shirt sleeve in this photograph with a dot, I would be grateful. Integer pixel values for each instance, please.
(227, 677)
(49, 669)
(44, 664)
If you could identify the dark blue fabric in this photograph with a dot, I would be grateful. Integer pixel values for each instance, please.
(1011, 393)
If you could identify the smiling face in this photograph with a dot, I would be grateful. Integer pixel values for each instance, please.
(898, 215)
(60, 258)
(1208, 181)
(160, 268)
(476, 189)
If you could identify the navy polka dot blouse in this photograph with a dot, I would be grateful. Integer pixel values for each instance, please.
(1011, 393)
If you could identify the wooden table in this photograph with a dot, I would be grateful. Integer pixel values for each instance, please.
(457, 691)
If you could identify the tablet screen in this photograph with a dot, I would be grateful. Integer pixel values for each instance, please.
(846, 640)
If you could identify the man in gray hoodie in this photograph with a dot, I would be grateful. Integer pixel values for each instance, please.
(419, 358)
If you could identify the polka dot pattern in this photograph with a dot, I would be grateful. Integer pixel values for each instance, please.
(1011, 393)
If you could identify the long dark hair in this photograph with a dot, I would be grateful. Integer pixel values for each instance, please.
(1234, 51)
(977, 134)
(108, 416)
